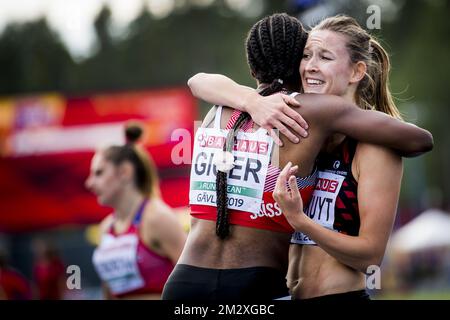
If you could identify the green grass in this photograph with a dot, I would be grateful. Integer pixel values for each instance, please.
(416, 295)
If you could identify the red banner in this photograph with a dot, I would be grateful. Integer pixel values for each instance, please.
(47, 142)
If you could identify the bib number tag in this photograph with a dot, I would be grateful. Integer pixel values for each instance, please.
(245, 177)
(322, 205)
(116, 263)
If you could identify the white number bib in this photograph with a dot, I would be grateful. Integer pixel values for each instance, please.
(251, 151)
(322, 204)
(115, 260)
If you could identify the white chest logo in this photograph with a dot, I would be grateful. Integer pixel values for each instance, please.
(336, 164)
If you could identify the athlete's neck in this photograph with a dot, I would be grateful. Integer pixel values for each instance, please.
(128, 205)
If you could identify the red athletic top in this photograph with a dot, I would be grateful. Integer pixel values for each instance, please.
(48, 276)
(270, 216)
(128, 265)
(13, 286)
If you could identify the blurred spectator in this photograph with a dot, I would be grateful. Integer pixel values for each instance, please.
(142, 239)
(48, 271)
(13, 285)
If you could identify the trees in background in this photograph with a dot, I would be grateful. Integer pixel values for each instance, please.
(166, 52)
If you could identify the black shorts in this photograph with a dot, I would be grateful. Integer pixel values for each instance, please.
(360, 295)
(189, 283)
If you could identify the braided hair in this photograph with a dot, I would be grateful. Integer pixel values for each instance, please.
(274, 47)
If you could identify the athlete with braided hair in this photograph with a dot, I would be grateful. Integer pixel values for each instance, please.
(238, 245)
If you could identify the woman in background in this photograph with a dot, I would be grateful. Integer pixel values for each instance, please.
(48, 271)
(142, 240)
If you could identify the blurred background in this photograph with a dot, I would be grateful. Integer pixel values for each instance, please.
(73, 71)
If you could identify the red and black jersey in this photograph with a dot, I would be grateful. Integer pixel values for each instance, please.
(334, 204)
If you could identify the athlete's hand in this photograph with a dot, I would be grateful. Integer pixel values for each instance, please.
(290, 201)
(275, 112)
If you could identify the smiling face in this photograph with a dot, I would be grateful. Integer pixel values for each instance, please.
(326, 66)
(104, 180)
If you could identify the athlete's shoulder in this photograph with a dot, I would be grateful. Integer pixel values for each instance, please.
(227, 112)
(367, 153)
(225, 115)
(369, 149)
(209, 118)
(157, 212)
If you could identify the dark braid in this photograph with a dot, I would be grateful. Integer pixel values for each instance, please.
(265, 33)
(222, 222)
(255, 56)
(265, 45)
(274, 49)
(279, 43)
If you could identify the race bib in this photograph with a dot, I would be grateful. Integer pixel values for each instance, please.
(321, 209)
(245, 180)
(116, 262)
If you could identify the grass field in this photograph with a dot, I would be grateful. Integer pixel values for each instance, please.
(417, 295)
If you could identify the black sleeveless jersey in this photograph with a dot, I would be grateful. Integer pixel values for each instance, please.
(335, 199)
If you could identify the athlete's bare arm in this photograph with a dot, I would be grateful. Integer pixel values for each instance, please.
(378, 172)
(273, 112)
(163, 231)
(336, 115)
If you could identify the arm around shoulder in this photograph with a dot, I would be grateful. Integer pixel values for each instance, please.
(373, 126)
(221, 90)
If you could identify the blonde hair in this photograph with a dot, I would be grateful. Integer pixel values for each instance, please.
(373, 90)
